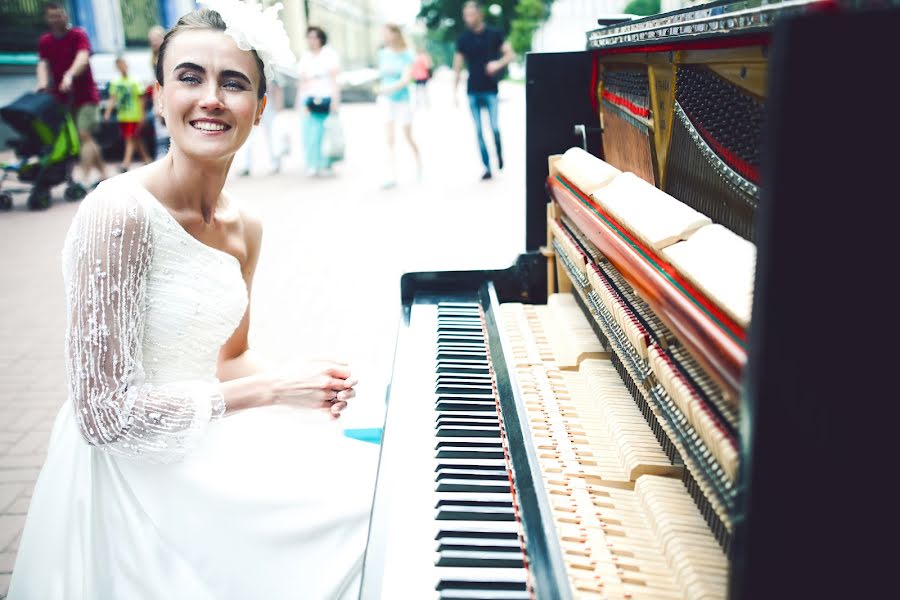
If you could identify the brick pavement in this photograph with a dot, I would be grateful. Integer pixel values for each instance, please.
(327, 282)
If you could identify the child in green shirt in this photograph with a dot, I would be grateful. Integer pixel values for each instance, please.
(125, 95)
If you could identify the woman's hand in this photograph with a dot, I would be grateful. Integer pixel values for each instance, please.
(322, 385)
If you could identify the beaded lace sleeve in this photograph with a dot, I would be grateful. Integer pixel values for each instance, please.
(106, 258)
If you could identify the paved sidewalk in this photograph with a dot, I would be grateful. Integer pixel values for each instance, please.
(328, 282)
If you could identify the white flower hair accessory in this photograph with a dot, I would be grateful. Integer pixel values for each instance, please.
(253, 28)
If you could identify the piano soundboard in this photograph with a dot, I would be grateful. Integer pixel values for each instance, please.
(576, 426)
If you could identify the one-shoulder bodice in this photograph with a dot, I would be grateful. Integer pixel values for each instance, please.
(195, 298)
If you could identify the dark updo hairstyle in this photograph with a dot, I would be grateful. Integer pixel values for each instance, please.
(320, 33)
(203, 18)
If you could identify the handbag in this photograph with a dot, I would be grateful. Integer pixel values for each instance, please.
(319, 106)
(333, 139)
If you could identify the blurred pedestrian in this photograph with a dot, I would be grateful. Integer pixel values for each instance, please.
(155, 37)
(276, 144)
(422, 69)
(395, 68)
(64, 68)
(126, 95)
(319, 96)
(486, 56)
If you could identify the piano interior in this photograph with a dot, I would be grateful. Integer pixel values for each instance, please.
(575, 426)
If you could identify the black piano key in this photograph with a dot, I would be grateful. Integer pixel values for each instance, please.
(479, 558)
(473, 474)
(470, 405)
(482, 390)
(455, 594)
(515, 580)
(491, 464)
(467, 395)
(463, 369)
(458, 512)
(473, 327)
(460, 336)
(463, 452)
(463, 431)
(492, 500)
(474, 379)
(473, 486)
(477, 531)
(461, 356)
(461, 418)
(485, 383)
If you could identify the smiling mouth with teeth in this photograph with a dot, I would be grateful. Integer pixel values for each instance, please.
(209, 126)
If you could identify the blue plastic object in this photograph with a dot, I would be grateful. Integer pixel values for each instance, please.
(370, 434)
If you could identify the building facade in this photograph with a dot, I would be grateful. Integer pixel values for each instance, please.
(113, 25)
(353, 28)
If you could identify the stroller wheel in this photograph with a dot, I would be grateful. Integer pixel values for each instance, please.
(39, 198)
(5, 201)
(74, 192)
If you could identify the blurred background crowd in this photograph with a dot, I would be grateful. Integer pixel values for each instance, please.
(347, 51)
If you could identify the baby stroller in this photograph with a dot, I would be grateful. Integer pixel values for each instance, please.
(46, 152)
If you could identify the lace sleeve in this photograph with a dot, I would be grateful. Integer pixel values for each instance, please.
(107, 255)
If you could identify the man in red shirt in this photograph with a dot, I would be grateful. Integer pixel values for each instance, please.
(64, 68)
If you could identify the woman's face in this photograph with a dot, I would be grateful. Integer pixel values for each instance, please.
(388, 35)
(209, 97)
(312, 39)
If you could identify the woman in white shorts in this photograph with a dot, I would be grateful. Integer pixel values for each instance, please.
(394, 63)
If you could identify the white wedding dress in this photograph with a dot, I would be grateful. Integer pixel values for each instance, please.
(148, 492)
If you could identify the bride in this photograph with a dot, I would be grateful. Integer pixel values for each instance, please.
(180, 467)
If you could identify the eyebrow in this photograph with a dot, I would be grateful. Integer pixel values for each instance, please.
(226, 73)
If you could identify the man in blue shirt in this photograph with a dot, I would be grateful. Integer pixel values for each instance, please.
(486, 55)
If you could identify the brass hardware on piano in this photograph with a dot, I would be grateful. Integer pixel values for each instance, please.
(581, 425)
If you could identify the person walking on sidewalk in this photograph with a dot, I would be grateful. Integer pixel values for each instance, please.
(486, 55)
(276, 141)
(126, 96)
(64, 68)
(395, 67)
(319, 97)
(421, 73)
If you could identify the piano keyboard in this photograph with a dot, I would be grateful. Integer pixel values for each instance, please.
(473, 478)
(446, 524)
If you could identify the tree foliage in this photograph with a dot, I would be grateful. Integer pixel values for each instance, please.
(530, 14)
(517, 19)
(643, 8)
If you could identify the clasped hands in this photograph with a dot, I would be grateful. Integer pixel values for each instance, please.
(318, 384)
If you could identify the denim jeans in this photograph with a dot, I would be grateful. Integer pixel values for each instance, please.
(313, 132)
(488, 100)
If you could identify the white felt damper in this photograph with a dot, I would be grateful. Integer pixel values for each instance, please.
(656, 218)
(722, 264)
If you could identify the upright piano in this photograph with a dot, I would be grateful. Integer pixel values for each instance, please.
(638, 408)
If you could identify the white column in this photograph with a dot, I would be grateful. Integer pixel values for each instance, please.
(108, 23)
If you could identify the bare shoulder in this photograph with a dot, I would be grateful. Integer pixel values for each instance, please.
(250, 224)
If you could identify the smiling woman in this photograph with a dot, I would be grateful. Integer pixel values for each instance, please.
(182, 466)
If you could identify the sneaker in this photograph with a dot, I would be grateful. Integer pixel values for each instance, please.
(388, 184)
(312, 172)
(487, 175)
(326, 172)
(243, 172)
(123, 169)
